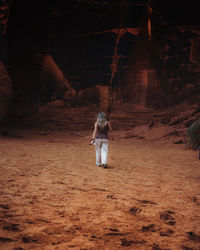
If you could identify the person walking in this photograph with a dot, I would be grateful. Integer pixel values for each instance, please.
(101, 135)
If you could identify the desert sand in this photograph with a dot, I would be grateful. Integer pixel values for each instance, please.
(52, 196)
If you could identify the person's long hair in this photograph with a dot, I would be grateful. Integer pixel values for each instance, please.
(101, 121)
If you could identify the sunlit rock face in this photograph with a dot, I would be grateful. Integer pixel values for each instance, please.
(142, 84)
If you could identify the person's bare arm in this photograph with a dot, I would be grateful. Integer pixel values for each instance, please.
(110, 131)
(95, 131)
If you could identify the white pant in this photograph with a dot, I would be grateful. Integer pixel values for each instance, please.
(101, 146)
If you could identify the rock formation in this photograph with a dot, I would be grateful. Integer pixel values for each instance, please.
(144, 51)
(53, 79)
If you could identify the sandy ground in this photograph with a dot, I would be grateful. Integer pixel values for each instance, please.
(52, 196)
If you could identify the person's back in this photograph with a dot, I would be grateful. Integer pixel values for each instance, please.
(102, 131)
(100, 135)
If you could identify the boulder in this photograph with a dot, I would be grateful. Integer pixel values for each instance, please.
(88, 96)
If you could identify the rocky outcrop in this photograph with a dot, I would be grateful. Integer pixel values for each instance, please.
(181, 60)
(115, 49)
(53, 80)
(103, 43)
(99, 96)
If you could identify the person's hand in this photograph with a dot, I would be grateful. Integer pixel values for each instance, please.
(92, 142)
